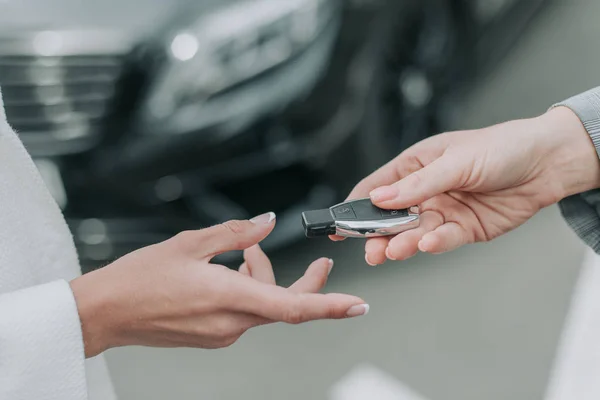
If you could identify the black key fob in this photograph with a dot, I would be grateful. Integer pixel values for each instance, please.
(359, 218)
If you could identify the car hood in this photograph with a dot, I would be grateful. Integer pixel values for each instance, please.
(135, 18)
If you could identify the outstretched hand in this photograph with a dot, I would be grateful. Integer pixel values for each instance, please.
(473, 186)
(171, 295)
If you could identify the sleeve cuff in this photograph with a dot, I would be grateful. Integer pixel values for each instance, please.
(583, 219)
(41, 346)
(587, 107)
(581, 211)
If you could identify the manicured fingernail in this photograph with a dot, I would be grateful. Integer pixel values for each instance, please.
(358, 310)
(330, 267)
(369, 262)
(264, 219)
(384, 193)
(389, 255)
(427, 243)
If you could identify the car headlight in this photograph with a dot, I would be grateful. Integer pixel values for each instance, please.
(230, 46)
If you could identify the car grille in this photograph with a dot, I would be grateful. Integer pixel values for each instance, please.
(54, 101)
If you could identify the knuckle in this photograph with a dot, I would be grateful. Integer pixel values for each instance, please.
(332, 312)
(416, 178)
(413, 160)
(293, 316)
(187, 239)
(234, 226)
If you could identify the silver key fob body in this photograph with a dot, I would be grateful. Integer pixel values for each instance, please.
(360, 219)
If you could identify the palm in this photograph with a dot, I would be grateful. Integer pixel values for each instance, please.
(452, 219)
(482, 216)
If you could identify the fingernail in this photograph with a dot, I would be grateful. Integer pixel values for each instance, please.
(384, 193)
(426, 243)
(330, 267)
(389, 255)
(358, 310)
(369, 262)
(264, 219)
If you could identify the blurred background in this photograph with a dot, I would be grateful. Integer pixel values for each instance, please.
(148, 117)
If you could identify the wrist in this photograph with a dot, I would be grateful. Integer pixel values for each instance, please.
(571, 160)
(94, 307)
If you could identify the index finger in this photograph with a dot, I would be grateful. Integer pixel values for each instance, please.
(258, 264)
(407, 162)
(393, 171)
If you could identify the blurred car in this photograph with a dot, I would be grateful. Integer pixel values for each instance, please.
(148, 117)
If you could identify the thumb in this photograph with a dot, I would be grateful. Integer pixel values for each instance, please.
(442, 175)
(228, 236)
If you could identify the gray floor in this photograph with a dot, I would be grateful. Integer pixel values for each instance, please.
(480, 323)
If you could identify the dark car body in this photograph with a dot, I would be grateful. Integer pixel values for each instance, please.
(141, 132)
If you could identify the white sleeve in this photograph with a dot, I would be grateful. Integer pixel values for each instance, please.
(41, 345)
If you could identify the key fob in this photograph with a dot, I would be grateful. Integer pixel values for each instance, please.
(359, 218)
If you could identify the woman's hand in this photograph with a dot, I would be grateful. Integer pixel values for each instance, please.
(171, 295)
(473, 186)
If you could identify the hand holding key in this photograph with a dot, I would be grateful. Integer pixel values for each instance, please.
(473, 186)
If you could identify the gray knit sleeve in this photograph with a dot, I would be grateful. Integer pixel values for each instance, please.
(582, 211)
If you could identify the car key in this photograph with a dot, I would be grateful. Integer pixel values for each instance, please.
(359, 219)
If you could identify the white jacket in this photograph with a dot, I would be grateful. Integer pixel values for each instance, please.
(41, 347)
